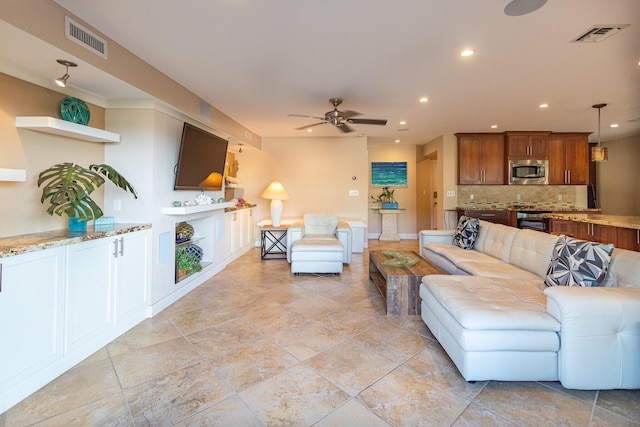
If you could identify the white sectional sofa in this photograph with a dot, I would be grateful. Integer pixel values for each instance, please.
(497, 320)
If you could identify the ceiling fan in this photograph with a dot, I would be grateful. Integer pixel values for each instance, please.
(340, 119)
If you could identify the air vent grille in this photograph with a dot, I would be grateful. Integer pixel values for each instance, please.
(599, 33)
(85, 38)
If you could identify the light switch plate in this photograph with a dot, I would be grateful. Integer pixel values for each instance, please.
(354, 193)
(451, 193)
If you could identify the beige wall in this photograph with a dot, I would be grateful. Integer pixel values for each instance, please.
(618, 189)
(316, 172)
(34, 151)
(444, 151)
(406, 197)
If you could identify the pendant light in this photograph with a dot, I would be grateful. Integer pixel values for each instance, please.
(599, 153)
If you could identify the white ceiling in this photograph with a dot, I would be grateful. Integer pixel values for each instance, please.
(260, 60)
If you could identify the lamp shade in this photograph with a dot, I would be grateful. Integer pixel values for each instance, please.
(275, 191)
(213, 181)
(599, 154)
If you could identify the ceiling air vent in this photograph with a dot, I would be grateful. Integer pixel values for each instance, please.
(599, 33)
(84, 37)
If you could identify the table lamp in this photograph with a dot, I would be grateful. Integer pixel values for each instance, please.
(276, 193)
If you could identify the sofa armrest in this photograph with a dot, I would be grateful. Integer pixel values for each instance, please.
(599, 337)
(435, 236)
(344, 235)
(294, 232)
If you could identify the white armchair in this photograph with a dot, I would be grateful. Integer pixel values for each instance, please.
(319, 244)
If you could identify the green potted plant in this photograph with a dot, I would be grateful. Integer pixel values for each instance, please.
(386, 199)
(67, 186)
(186, 262)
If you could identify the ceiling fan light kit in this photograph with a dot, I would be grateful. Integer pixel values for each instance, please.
(340, 119)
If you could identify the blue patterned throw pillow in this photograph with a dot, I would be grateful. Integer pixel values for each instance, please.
(467, 232)
(578, 263)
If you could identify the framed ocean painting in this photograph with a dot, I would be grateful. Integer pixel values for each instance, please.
(388, 174)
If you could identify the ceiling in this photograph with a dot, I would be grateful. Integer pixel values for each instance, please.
(260, 60)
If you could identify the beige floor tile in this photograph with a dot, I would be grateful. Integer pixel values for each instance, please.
(109, 411)
(350, 320)
(475, 415)
(180, 394)
(201, 318)
(296, 397)
(143, 364)
(351, 366)
(621, 402)
(308, 339)
(228, 413)
(77, 387)
(413, 324)
(352, 414)
(405, 399)
(149, 332)
(314, 306)
(252, 363)
(532, 404)
(222, 341)
(392, 342)
(603, 418)
(273, 320)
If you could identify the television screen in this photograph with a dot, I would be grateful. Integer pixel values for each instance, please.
(201, 160)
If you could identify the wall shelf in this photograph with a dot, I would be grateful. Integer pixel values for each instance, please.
(55, 126)
(187, 210)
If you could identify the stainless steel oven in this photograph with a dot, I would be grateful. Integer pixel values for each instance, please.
(527, 172)
(533, 220)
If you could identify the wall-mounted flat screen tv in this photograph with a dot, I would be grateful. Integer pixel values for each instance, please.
(201, 160)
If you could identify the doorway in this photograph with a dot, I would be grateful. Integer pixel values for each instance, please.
(426, 195)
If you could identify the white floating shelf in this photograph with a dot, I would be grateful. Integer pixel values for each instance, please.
(17, 175)
(186, 210)
(64, 128)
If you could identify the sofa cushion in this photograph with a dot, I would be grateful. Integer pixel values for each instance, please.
(495, 240)
(479, 303)
(578, 263)
(532, 251)
(466, 233)
(320, 224)
(624, 269)
(498, 270)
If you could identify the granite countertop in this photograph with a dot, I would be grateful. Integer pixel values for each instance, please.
(525, 208)
(239, 207)
(24, 243)
(624, 221)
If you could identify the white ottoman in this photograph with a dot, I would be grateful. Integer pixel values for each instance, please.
(317, 256)
(492, 328)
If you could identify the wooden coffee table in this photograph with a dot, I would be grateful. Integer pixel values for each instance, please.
(400, 286)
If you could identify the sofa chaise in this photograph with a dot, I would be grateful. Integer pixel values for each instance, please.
(497, 320)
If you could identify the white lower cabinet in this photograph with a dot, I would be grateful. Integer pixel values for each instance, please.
(31, 307)
(239, 232)
(58, 306)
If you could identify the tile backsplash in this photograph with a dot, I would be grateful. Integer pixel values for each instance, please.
(542, 196)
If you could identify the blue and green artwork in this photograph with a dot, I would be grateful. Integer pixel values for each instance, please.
(388, 174)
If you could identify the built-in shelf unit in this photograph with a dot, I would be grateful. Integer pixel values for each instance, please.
(55, 126)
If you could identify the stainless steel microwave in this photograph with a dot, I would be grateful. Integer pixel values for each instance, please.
(528, 172)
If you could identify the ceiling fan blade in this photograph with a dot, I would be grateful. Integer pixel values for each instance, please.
(347, 114)
(344, 127)
(368, 122)
(308, 126)
(303, 115)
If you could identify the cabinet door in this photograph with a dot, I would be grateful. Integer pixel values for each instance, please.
(31, 307)
(229, 232)
(469, 160)
(604, 234)
(89, 277)
(628, 238)
(493, 160)
(576, 150)
(131, 277)
(557, 170)
(539, 147)
(249, 231)
(518, 146)
(562, 226)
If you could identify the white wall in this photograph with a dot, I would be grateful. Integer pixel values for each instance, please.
(618, 190)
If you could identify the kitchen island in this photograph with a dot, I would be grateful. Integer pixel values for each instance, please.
(621, 230)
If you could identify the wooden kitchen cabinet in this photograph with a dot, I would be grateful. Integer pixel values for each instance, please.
(569, 158)
(628, 238)
(562, 226)
(596, 233)
(481, 158)
(527, 145)
(496, 216)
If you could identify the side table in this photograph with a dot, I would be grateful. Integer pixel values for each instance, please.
(273, 242)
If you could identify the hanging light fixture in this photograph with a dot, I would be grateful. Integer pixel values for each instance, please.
(62, 81)
(599, 153)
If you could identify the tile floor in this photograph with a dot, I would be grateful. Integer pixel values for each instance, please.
(257, 346)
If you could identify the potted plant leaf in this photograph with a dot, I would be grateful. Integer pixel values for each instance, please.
(386, 199)
(186, 262)
(67, 186)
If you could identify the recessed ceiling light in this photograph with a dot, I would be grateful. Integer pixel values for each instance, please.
(424, 99)
(309, 130)
(613, 125)
(467, 52)
(403, 122)
(494, 126)
(397, 141)
(543, 105)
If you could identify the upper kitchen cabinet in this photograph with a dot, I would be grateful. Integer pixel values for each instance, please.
(569, 158)
(481, 158)
(527, 145)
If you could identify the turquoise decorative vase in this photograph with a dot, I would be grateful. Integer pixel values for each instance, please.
(76, 224)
